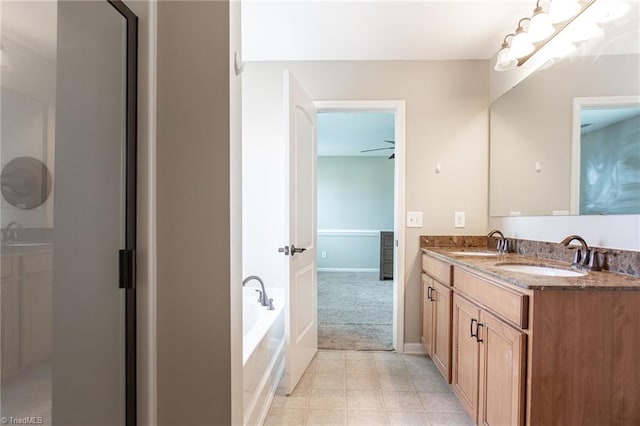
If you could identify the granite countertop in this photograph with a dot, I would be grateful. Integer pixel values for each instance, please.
(486, 265)
(25, 248)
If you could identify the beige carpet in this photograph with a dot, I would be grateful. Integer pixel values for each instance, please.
(355, 311)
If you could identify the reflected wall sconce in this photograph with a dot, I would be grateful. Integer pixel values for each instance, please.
(566, 23)
(4, 58)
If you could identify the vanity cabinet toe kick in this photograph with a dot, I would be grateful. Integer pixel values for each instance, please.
(517, 356)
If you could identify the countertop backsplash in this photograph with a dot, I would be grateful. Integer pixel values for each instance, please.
(619, 261)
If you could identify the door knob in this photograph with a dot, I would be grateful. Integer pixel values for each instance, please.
(284, 250)
(295, 250)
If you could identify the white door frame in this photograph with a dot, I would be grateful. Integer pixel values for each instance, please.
(397, 107)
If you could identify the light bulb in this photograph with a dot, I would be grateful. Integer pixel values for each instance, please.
(562, 10)
(521, 45)
(582, 31)
(505, 61)
(540, 26)
(559, 48)
(610, 10)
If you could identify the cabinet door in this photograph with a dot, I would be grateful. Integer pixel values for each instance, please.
(466, 352)
(427, 315)
(36, 317)
(442, 330)
(10, 310)
(502, 369)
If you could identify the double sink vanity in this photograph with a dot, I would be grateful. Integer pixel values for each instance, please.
(550, 334)
(525, 340)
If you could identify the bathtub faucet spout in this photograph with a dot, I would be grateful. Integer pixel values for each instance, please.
(262, 298)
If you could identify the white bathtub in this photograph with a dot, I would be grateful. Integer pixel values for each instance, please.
(263, 352)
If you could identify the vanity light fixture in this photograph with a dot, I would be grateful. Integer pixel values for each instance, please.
(521, 44)
(563, 10)
(610, 10)
(505, 60)
(560, 47)
(566, 23)
(540, 26)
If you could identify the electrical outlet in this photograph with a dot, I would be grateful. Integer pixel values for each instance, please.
(458, 220)
(323, 254)
(414, 219)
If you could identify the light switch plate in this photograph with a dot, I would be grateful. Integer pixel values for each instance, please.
(459, 220)
(414, 219)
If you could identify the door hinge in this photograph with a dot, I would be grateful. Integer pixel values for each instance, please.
(127, 268)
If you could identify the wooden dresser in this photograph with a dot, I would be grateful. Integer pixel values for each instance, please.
(386, 255)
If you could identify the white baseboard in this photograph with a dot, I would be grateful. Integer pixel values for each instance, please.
(414, 348)
(348, 270)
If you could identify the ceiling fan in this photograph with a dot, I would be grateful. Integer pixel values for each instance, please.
(392, 156)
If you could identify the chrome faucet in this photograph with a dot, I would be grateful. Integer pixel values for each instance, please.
(262, 295)
(502, 246)
(584, 257)
(12, 236)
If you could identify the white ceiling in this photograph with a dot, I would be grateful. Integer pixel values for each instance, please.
(348, 133)
(377, 30)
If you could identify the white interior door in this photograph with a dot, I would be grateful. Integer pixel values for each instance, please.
(301, 327)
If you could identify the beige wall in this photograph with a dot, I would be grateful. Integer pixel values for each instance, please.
(447, 122)
(193, 214)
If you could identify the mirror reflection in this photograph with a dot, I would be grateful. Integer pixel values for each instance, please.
(608, 149)
(536, 166)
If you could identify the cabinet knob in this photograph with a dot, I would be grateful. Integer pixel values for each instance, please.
(473, 320)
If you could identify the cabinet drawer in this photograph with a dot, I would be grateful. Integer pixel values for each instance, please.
(437, 269)
(8, 268)
(37, 263)
(510, 305)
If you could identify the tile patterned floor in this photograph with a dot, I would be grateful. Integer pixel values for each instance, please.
(368, 388)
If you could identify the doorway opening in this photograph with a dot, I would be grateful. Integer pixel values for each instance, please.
(358, 216)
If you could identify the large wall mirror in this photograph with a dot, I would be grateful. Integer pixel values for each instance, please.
(566, 140)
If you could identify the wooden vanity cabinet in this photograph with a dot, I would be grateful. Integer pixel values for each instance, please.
(26, 310)
(427, 314)
(10, 309)
(436, 315)
(489, 361)
(441, 297)
(502, 372)
(547, 356)
(466, 354)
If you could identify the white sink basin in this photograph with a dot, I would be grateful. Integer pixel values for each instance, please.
(474, 253)
(539, 270)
